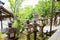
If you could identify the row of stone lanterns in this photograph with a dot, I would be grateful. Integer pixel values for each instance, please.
(41, 25)
(34, 25)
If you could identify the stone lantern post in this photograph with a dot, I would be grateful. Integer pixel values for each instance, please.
(42, 24)
(28, 26)
(35, 24)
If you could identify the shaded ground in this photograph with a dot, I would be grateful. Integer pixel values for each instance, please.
(23, 37)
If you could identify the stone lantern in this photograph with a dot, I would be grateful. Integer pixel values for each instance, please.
(27, 27)
(42, 24)
(35, 16)
(35, 25)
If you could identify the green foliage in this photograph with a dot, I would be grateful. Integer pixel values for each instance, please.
(1, 38)
(21, 14)
(43, 7)
(15, 25)
(12, 6)
(57, 5)
(26, 12)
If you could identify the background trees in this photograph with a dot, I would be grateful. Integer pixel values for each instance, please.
(21, 14)
(43, 7)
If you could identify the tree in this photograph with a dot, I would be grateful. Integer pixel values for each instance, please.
(15, 6)
(43, 7)
(20, 14)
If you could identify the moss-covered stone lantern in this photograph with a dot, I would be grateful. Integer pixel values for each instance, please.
(42, 24)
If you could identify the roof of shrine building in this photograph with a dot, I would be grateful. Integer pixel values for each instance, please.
(4, 13)
(58, 0)
(58, 11)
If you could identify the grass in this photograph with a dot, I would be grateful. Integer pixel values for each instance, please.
(23, 37)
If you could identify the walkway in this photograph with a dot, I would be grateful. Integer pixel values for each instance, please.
(56, 35)
(48, 28)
